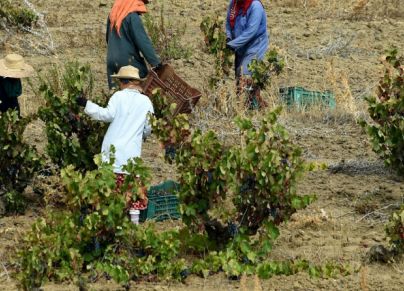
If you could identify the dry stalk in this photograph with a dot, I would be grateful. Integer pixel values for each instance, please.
(337, 44)
(257, 283)
(363, 282)
(299, 3)
(331, 10)
(359, 10)
(243, 282)
(5, 273)
(218, 112)
(359, 6)
(340, 86)
(376, 212)
(398, 270)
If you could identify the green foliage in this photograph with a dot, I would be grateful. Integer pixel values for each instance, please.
(18, 160)
(262, 70)
(215, 40)
(395, 231)
(73, 138)
(94, 235)
(263, 172)
(246, 185)
(170, 128)
(227, 194)
(244, 256)
(259, 176)
(329, 270)
(232, 200)
(16, 15)
(386, 110)
(166, 37)
(198, 166)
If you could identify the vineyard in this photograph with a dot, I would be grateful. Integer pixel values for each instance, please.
(284, 198)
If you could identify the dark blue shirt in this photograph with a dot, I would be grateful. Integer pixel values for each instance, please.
(129, 47)
(249, 37)
(10, 89)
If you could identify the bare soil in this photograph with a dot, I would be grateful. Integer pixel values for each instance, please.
(328, 44)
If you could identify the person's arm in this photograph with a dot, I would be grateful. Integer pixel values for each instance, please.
(142, 40)
(108, 29)
(12, 87)
(254, 20)
(100, 113)
(228, 27)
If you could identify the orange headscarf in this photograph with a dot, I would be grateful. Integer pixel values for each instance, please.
(122, 8)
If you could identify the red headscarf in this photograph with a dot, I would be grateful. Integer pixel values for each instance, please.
(235, 10)
(122, 8)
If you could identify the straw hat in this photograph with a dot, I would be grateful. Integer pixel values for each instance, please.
(128, 72)
(14, 66)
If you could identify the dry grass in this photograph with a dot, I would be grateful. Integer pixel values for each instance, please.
(298, 3)
(243, 282)
(31, 100)
(363, 282)
(387, 8)
(34, 40)
(217, 111)
(254, 284)
(349, 9)
(224, 100)
(359, 6)
(257, 283)
(339, 83)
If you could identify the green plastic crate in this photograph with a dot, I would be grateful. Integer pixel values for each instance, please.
(301, 98)
(163, 204)
(167, 187)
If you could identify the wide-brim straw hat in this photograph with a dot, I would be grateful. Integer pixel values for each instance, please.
(14, 66)
(129, 73)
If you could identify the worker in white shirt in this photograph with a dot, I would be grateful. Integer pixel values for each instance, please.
(127, 111)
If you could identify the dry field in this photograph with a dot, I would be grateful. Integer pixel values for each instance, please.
(328, 45)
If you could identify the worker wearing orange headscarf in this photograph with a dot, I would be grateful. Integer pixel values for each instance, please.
(128, 42)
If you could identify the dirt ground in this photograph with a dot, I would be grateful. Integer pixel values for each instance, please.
(328, 45)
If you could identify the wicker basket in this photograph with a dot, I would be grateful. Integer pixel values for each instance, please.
(176, 89)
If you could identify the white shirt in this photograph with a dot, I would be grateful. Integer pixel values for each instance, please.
(127, 111)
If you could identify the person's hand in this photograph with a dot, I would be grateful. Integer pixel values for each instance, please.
(229, 47)
(158, 67)
(227, 44)
(72, 117)
(81, 101)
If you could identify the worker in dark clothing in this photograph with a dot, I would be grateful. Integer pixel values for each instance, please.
(127, 39)
(10, 89)
(12, 69)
